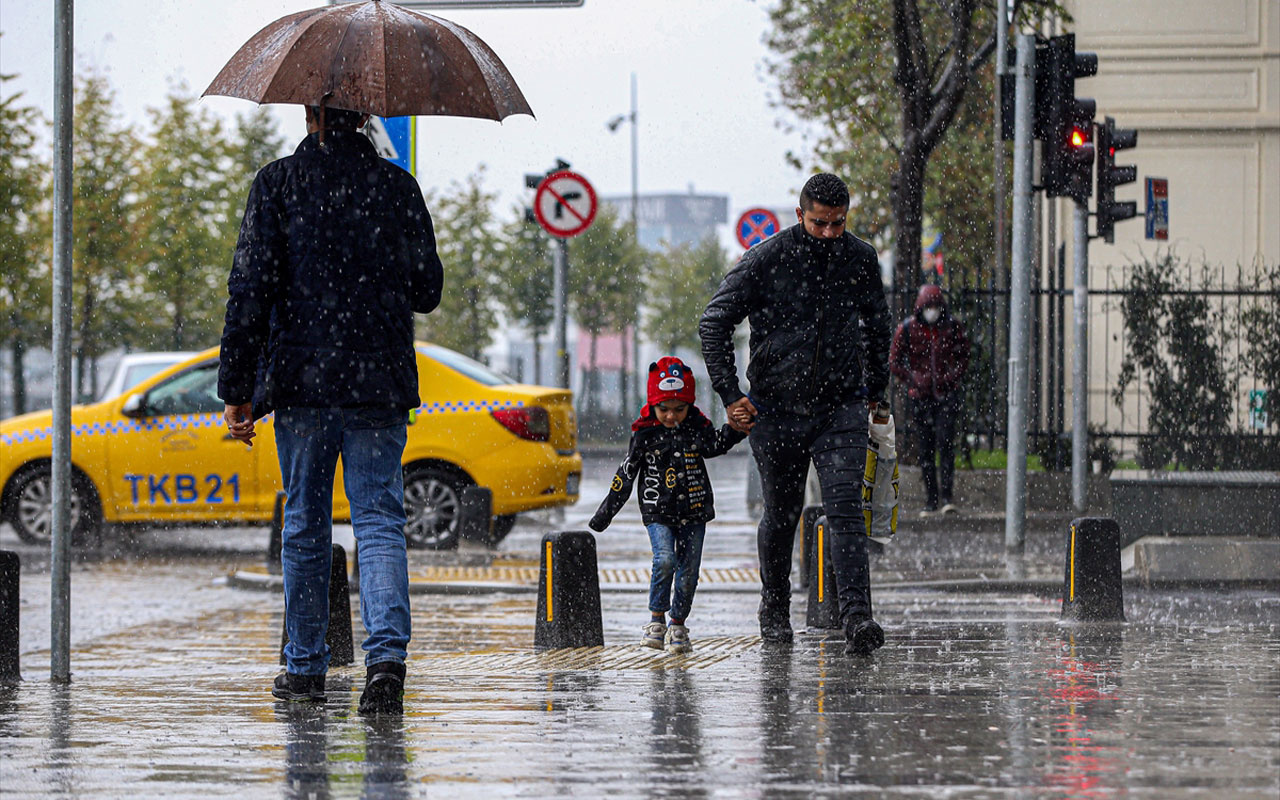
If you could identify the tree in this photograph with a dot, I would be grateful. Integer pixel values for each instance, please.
(677, 288)
(524, 282)
(257, 143)
(24, 234)
(187, 220)
(469, 249)
(886, 82)
(604, 282)
(107, 282)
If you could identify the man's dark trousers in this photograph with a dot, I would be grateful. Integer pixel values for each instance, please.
(935, 423)
(836, 441)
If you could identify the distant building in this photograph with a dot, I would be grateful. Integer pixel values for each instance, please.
(674, 218)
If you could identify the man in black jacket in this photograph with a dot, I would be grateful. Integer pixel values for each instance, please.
(336, 253)
(819, 356)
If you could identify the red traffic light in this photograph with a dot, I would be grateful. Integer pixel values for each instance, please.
(1079, 138)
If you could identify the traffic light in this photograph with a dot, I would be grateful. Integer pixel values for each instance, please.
(1066, 121)
(1111, 139)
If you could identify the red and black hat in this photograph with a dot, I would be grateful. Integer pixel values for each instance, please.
(669, 379)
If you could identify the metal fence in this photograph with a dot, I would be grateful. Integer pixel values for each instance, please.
(1118, 418)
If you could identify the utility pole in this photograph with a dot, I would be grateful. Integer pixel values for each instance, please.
(1080, 362)
(60, 489)
(1020, 301)
(999, 276)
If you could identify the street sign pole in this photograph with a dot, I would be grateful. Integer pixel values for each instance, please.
(1015, 506)
(1080, 363)
(560, 288)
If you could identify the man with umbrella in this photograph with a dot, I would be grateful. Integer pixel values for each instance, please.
(336, 253)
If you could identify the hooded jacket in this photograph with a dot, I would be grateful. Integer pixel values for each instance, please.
(819, 324)
(336, 252)
(674, 488)
(930, 359)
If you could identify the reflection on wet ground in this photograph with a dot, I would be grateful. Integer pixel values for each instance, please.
(975, 695)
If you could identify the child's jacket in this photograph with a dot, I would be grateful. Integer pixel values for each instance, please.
(673, 486)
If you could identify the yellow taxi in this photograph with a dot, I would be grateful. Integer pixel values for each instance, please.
(159, 453)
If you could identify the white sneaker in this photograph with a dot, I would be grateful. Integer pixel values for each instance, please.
(654, 635)
(949, 508)
(678, 639)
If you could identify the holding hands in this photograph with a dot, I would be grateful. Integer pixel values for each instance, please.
(742, 414)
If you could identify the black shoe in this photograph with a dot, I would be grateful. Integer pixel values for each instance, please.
(862, 636)
(383, 689)
(299, 687)
(775, 625)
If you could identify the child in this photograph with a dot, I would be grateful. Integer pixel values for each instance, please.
(668, 443)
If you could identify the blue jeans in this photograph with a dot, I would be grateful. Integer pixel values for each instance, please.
(677, 557)
(371, 442)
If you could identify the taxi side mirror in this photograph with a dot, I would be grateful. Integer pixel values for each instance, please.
(135, 406)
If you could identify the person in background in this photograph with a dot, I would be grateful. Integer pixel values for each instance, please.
(668, 444)
(930, 354)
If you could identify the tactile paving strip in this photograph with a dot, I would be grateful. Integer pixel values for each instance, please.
(707, 652)
(608, 575)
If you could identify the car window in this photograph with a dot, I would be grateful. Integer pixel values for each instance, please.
(470, 367)
(140, 372)
(192, 392)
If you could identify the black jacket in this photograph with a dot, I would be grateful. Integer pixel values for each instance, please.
(819, 324)
(336, 252)
(674, 488)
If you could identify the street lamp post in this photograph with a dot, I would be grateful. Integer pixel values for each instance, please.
(613, 125)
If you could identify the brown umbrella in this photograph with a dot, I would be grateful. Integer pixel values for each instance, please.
(374, 57)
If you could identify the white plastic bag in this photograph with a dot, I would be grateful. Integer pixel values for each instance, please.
(880, 481)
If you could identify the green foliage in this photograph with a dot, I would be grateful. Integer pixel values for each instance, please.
(469, 247)
(1260, 329)
(677, 287)
(895, 90)
(110, 298)
(605, 279)
(24, 234)
(187, 222)
(1176, 345)
(524, 281)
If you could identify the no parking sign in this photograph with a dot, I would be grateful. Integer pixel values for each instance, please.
(755, 225)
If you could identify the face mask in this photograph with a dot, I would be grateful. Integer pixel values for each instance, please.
(931, 315)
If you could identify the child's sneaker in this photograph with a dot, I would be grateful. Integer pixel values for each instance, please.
(654, 635)
(678, 639)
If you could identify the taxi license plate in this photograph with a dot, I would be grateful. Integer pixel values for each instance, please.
(571, 483)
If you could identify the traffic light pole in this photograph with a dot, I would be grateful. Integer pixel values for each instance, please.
(1080, 362)
(560, 313)
(1020, 303)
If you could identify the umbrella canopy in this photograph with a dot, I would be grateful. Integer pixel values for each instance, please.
(373, 57)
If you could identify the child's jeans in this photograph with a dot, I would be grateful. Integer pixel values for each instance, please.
(677, 553)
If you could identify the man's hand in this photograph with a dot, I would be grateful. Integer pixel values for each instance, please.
(742, 414)
(239, 421)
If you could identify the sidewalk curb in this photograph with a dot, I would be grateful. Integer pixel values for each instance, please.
(1044, 587)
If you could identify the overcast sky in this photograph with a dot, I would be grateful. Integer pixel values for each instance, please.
(704, 93)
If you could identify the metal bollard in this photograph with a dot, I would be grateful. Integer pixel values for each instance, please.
(755, 489)
(823, 609)
(568, 593)
(9, 571)
(275, 541)
(1092, 590)
(338, 636)
(475, 514)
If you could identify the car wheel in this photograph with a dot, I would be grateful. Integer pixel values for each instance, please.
(31, 507)
(502, 525)
(432, 507)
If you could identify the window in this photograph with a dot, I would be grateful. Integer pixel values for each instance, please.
(192, 392)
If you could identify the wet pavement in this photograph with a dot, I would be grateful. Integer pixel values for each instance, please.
(976, 694)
